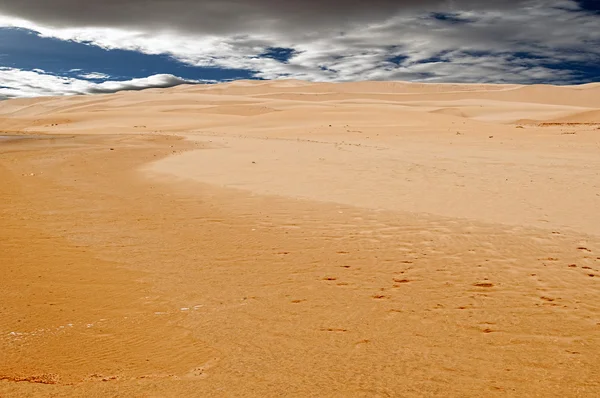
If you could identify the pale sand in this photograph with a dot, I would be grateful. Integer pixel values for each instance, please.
(356, 239)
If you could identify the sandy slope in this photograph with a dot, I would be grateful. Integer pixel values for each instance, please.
(356, 239)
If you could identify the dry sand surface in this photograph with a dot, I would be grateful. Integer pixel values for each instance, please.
(294, 239)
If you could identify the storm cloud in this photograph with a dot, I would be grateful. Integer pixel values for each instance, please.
(232, 16)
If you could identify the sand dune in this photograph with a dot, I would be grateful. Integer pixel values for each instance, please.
(471, 101)
(287, 238)
(582, 117)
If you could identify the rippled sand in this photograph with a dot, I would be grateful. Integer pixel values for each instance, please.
(295, 239)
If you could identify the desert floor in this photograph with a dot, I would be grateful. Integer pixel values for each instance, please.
(294, 239)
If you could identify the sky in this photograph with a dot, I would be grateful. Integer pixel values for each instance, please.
(64, 47)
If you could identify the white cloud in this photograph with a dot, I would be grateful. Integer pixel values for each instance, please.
(155, 81)
(93, 75)
(20, 83)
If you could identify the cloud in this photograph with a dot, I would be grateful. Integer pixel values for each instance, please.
(156, 81)
(519, 41)
(20, 83)
(93, 75)
(230, 16)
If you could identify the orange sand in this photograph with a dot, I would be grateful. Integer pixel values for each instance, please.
(295, 239)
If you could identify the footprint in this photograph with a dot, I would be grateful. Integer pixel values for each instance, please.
(380, 297)
(335, 330)
(546, 298)
(483, 284)
(200, 371)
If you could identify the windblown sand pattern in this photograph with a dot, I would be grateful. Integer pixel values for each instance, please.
(295, 239)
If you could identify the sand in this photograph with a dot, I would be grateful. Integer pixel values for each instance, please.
(302, 239)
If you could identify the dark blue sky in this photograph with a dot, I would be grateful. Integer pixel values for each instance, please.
(25, 49)
(589, 5)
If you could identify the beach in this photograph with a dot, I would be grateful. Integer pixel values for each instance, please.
(285, 238)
